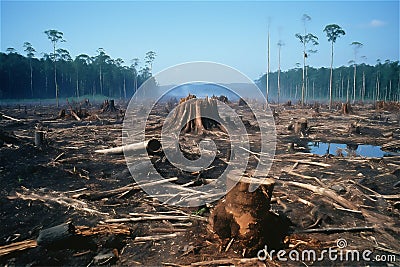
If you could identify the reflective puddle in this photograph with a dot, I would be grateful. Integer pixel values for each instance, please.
(346, 150)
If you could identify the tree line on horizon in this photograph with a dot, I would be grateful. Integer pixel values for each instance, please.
(374, 83)
(379, 82)
(57, 74)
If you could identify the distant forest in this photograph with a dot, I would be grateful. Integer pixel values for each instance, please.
(379, 82)
(28, 77)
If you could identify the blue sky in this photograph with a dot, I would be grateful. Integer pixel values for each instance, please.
(232, 33)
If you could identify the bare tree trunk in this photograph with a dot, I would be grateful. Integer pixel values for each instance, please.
(348, 89)
(279, 73)
(330, 80)
(363, 90)
(268, 69)
(354, 83)
(30, 66)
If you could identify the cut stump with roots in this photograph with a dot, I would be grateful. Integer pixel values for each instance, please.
(246, 217)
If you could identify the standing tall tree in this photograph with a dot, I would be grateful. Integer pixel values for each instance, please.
(356, 47)
(135, 64)
(30, 53)
(333, 31)
(55, 36)
(81, 62)
(268, 66)
(149, 59)
(280, 44)
(304, 40)
(101, 59)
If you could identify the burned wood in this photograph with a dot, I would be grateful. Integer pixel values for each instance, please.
(39, 138)
(56, 235)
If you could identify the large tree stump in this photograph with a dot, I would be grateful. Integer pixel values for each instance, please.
(246, 217)
(195, 116)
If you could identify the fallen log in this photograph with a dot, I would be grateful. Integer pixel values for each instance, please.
(9, 117)
(152, 146)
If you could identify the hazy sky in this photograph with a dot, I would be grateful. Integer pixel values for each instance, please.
(232, 33)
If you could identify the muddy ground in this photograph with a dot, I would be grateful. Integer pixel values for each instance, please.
(63, 180)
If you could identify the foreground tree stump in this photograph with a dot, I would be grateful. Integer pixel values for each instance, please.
(246, 217)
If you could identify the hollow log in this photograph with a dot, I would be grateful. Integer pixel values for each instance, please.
(152, 146)
(246, 215)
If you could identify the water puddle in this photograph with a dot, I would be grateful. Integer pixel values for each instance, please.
(349, 150)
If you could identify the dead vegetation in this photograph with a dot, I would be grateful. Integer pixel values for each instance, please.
(65, 190)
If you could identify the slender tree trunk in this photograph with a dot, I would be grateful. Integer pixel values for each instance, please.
(135, 82)
(354, 83)
(101, 81)
(77, 84)
(348, 89)
(313, 90)
(124, 87)
(330, 80)
(279, 73)
(377, 88)
(363, 90)
(55, 73)
(268, 68)
(30, 66)
(303, 81)
(390, 90)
